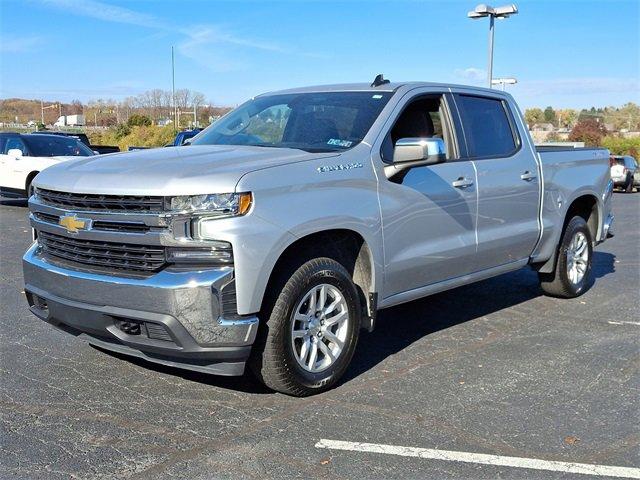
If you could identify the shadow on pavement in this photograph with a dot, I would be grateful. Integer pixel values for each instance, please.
(400, 326)
(14, 202)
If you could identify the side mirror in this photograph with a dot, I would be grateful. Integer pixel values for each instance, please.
(415, 152)
(15, 153)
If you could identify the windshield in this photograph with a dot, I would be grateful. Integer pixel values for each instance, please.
(315, 122)
(56, 146)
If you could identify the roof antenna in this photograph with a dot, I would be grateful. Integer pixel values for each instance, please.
(379, 80)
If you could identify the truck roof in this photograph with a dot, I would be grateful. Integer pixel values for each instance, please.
(366, 87)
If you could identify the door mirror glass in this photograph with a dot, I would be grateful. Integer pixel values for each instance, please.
(425, 151)
(15, 153)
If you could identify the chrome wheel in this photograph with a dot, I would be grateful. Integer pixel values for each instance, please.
(577, 258)
(319, 328)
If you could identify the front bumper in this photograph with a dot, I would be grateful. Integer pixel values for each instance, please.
(174, 318)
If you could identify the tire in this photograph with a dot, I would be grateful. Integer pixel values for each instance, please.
(277, 356)
(628, 187)
(560, 282)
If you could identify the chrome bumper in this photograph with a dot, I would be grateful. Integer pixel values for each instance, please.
(172, 317)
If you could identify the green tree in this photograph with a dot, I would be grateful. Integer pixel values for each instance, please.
(122, 130)
(549, 115)
(533, 116)
(590, 131)
(138, 120)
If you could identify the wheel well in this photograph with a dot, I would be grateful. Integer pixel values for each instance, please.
(587, 208)
(347, 247)
(30, 177)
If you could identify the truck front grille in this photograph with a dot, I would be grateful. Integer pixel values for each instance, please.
(106, 225)
(125, 256)
(82, 201)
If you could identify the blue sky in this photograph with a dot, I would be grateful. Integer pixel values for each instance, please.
(563, 53)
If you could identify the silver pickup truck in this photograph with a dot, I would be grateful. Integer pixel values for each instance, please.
(277, 235)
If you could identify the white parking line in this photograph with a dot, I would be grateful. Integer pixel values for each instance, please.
(467, 457)
(610, 322)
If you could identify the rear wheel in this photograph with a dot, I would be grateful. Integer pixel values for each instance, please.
(311, 330)
(572, 273)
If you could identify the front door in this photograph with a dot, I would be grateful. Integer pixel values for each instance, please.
(428, 212)
(11, 165)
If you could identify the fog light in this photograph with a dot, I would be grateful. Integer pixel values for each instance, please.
(219, 253)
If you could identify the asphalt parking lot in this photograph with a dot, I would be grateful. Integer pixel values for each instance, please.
(492, 368)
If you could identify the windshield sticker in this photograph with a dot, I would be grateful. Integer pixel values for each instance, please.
(339, 143)
(377, 97)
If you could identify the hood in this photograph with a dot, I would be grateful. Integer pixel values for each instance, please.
(190, 170)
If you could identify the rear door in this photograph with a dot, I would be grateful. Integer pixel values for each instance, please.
(508, 180)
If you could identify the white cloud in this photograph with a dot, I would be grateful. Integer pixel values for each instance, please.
(106, 12)
(470, 75)
(19, 44)
(198, 42)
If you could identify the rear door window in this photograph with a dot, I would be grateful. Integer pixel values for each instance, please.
(488, 126)
(14, 143)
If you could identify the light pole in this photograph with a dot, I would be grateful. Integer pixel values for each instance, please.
(503, 82)
(482, 11)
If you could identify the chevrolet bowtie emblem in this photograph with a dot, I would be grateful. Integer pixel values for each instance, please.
(73, 224)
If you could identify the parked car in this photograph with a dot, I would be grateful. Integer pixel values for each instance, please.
(625, 172)
(286, 225)
(22, 157)
(182, 137)
(100, 149)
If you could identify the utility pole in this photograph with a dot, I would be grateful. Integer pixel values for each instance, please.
(173, 89)
(43, 108)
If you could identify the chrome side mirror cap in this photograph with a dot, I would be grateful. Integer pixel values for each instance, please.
(416, 152)
(419, 149)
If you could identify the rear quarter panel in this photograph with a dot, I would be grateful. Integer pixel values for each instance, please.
(568, 175)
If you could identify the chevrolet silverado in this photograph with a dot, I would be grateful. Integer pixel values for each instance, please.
(275, 237)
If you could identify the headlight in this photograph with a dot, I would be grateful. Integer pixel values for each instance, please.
(218, 204)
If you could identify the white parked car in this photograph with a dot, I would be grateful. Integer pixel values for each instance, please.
(23, 156)
(625, 172)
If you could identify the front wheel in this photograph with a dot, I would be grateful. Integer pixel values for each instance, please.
(572, 273)
(311, 330)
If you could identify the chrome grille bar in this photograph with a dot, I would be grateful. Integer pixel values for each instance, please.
(98, 202)
(110, 254)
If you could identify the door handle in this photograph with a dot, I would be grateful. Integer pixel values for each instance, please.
(462, 183)
(528, 176)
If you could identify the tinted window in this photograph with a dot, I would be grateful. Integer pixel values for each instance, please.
(14, 143)
(309, 121)
(486, 126)
(57, 146)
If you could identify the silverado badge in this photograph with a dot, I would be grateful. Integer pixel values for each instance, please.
(73, 224)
